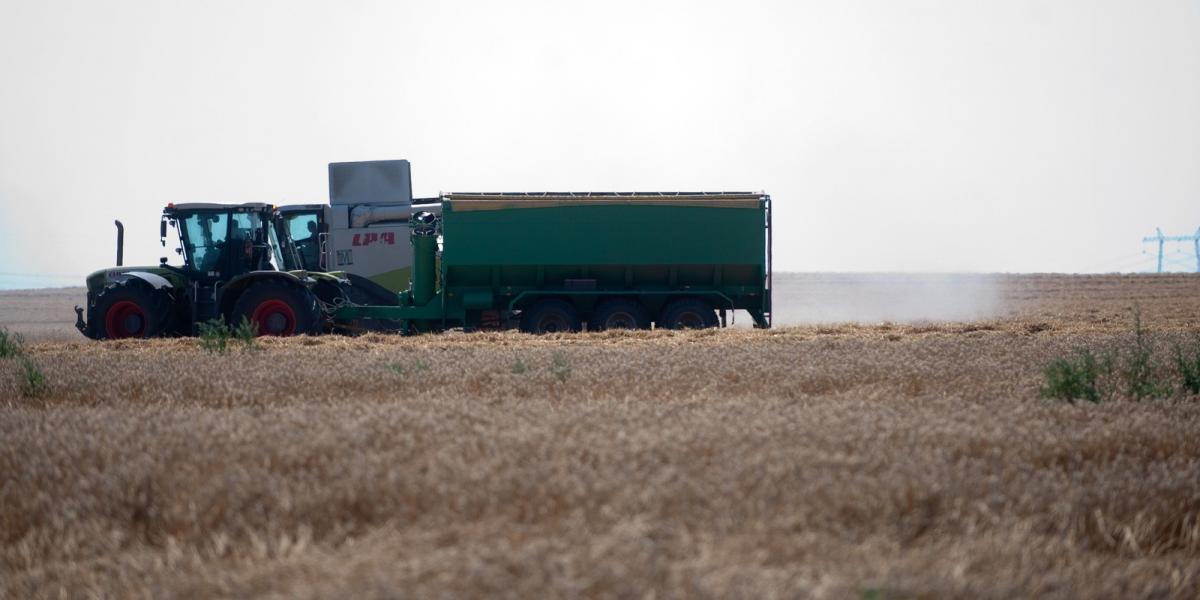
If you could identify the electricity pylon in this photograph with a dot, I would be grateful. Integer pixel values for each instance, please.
(1163, 239)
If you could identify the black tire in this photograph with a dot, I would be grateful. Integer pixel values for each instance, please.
(550, 316)
(688, 313)
(619, 313)
(130, 309)
(277, 308)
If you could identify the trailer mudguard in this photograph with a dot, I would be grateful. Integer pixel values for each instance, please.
(157, 282)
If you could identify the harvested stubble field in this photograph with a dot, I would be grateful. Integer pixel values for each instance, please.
(884, 460)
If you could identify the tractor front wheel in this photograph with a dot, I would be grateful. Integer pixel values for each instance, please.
(277, 308)
(130, 310)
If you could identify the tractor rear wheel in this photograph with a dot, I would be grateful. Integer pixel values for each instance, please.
(619, 313)
(688, 313)
(277, 308)
(550, 316)
(131, 310)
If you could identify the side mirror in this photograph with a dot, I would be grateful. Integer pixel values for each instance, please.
(162, 233)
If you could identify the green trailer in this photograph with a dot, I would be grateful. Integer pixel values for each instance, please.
(549, 262)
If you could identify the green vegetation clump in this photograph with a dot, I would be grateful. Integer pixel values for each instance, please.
(246, 332)
(1187, 364)
(214, 336)
(11, 344)
(1077, 377)
(33, 381)
(1141, 373)
(1131, 369)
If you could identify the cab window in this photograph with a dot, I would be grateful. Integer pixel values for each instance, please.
(206, 233)
(302, 229)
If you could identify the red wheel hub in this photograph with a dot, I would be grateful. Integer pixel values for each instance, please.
(125, 319)
(274, 317)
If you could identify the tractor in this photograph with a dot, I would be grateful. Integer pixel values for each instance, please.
(227, 273)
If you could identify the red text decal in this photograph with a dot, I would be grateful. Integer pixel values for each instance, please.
(366, 239)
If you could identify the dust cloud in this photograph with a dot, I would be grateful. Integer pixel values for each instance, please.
(809, 298)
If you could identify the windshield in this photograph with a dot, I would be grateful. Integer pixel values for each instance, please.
(244, 226)
(206, 233)
(302, 229)
(221, 242)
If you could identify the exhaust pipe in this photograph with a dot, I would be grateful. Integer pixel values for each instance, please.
(120, 243)
(424, 265)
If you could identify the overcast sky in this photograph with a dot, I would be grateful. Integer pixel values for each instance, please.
(892, 135)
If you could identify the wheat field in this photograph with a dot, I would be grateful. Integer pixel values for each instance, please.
(871, 460)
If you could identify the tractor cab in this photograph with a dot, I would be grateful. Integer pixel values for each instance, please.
(219, 242)
(297, 236)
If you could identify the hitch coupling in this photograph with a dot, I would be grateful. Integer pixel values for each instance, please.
(79, 324)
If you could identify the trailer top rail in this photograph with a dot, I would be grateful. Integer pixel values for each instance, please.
(503, 200)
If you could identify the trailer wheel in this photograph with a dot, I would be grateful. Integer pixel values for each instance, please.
(130, 310)
(688, 313)
(619, 313)
(550, 316)
(277, 308)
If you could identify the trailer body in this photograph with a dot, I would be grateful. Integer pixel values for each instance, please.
(503, 254)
